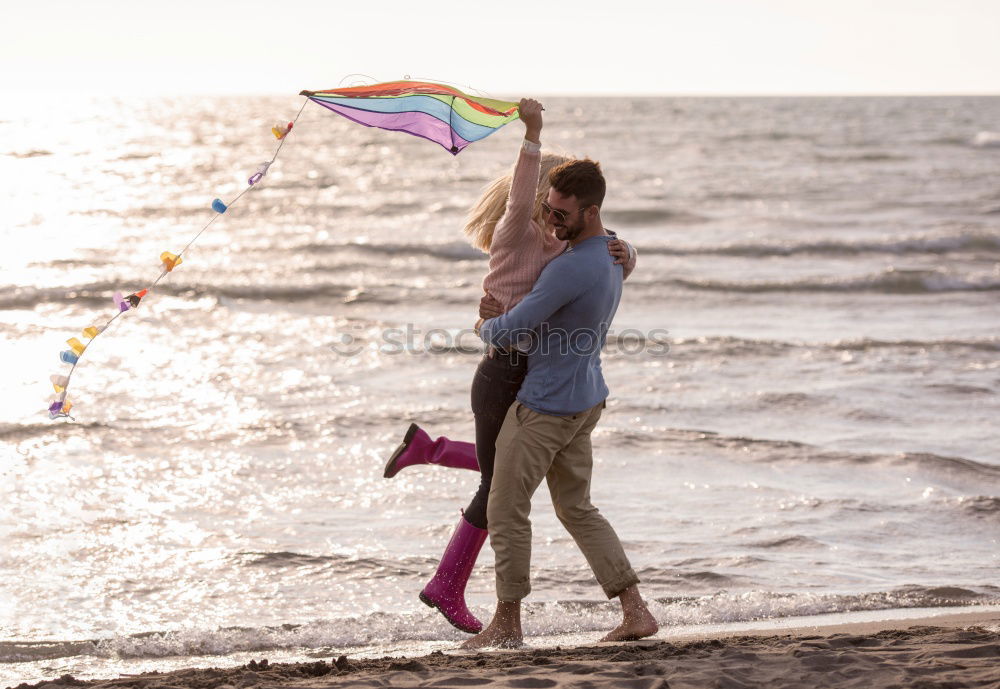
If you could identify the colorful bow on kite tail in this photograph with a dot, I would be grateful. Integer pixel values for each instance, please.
(59, 405)
(437, 112)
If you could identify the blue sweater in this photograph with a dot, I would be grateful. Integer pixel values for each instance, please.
(562, 325)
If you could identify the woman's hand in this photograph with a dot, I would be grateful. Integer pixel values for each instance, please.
(531, 114)
(490, 307)
(619, 250)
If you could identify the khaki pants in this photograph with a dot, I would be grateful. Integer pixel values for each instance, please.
(533, 446)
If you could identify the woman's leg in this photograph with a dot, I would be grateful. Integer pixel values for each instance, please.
(494, 389)
(418, 448)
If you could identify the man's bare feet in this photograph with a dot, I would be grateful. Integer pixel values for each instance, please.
(637, 621)
(632, 629)
(504, 631)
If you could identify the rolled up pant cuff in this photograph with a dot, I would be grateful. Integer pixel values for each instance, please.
(512, 592)
(621, 582)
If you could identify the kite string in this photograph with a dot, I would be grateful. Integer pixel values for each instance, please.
(371, 80)
(164, 272)
(463, 87)
(232, 203)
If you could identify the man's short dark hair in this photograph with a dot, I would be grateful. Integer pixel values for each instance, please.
(580, 178)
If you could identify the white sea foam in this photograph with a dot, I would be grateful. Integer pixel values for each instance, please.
(541, 619)
(986, 139)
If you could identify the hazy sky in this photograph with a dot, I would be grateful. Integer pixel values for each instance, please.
(504, 48)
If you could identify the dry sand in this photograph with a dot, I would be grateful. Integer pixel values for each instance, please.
(948, 651)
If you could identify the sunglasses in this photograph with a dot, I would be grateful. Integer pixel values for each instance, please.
(561, 215)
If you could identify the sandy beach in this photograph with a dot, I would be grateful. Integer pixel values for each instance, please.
(960, 650)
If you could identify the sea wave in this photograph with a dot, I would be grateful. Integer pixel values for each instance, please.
(888, 281)
(95, 294)
(990, 344)
(34, 153)
(647, 216)
(977, 242)
(768, 136)
(970, 242)
(343, 565)
(789, 543)
(978, 505)
(657, 342)
(14, 432)
(456, 251)
(739, 346)
(986, 139)
(860, 157)
(140, 155)
(544, 618)
(765, 450)
(939, 464)
(99, 293)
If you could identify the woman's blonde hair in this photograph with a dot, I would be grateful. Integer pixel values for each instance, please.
(492, 204)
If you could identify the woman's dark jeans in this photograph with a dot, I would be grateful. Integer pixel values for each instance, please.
(494, 389)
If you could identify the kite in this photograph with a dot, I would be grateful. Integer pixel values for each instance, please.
(436, 112)
(439, 113)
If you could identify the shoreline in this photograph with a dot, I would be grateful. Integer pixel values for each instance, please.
(844, 649)
(866, 622)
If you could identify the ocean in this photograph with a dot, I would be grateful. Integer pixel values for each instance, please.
(804, 373)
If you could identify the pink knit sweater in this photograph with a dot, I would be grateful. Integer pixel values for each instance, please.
(520, 247)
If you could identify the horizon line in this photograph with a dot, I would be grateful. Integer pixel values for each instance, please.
(562, 94)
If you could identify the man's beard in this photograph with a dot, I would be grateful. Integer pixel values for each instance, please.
(568, 233)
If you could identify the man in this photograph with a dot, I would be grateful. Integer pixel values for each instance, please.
(546, 432)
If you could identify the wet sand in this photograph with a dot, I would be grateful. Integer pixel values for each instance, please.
(961, 650)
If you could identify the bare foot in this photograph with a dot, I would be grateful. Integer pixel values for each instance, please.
(634, 627)
(495, 638)
(504, 631)
(637, 621)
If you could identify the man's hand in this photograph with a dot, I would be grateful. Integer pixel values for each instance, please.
(619, 250)
(531, 115)
(490, 307)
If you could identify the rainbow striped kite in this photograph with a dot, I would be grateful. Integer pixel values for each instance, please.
(436, 112)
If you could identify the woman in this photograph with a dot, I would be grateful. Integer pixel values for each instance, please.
(507, 222)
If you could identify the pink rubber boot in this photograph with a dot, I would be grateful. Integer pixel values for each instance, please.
(418, 448)
(446, 591)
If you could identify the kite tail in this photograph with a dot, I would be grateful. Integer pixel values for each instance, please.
(60, 405)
